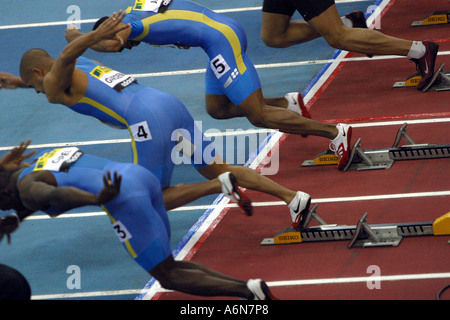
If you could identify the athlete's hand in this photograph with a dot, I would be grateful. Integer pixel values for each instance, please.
(72, 33)
(8, 225)
(110, 27)
(13, 160)
(8, 81)
(111, 187)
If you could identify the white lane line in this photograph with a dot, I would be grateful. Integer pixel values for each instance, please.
(270, 203)
(400, 277)
(229, 133)
(276, 65)
(59, 23)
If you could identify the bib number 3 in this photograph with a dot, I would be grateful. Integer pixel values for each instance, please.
(121, 231)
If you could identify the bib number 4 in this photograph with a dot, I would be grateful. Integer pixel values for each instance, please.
(141, 131)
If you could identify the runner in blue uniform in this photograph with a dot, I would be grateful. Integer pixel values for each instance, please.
(155, 120)
(62, 179)
(233, 87)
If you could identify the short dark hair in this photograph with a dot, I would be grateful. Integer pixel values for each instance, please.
(31, 59)
(99, 22)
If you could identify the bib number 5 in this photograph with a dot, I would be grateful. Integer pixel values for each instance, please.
(219, 66)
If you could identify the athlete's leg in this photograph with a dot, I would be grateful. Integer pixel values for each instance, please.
(182, 194)
(189, 277)
(220, 107)
(285, 120)
(247, 178)
(279, 31)
(331, 27)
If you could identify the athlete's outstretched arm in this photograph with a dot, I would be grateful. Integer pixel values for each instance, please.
(9, 81)
(38, 194)
(58, 81)
(109, 45)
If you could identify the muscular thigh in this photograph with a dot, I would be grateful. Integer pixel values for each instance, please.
(307, 8)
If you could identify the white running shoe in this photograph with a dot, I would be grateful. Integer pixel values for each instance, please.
(231, 190)
(260, 290)
(299, 207)
(341, 144)
(295, 103)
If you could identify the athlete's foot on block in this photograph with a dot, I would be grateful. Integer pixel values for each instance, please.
(358, 20)
(231, 189)
(425, 65)
(341, 144)
(299, 208)
(295, 103)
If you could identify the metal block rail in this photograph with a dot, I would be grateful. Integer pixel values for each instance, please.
(373, 159)
(360, 235)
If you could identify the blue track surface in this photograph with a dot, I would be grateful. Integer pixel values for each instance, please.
(42, 249)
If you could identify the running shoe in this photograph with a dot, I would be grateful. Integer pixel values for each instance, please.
(301, 208)
(425, 65)
(341, 144)
(358, 20)
(295, 102)
(231, 190)
(260, 290)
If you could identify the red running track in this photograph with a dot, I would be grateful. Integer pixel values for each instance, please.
(361, 92)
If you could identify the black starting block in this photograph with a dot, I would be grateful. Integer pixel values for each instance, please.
(439, 82)
(373, 159)
(361, 235)
(434, 18)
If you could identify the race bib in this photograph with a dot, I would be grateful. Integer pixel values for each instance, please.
(58, 159)
(219, 66)
(122, 232)
(152, 5)
(114, 79)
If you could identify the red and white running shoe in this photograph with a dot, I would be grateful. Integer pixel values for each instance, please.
(358, 20)
(231, 190)
(295, 103)
(425, 65)
(299, 208)
(260, 290)
(341, 144)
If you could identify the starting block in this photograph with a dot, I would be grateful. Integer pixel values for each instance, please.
(362, 235)
(373, 159)
(436, 17)
(439, 82)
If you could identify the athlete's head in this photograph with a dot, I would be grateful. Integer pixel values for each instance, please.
(34, 66)
(128, 44)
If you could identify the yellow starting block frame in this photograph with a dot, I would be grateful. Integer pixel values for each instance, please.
(360, 235)
(434, 18)
(439, 82)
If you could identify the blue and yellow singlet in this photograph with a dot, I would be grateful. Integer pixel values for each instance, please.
(187, 24)
(137, 214)
(156, 120)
